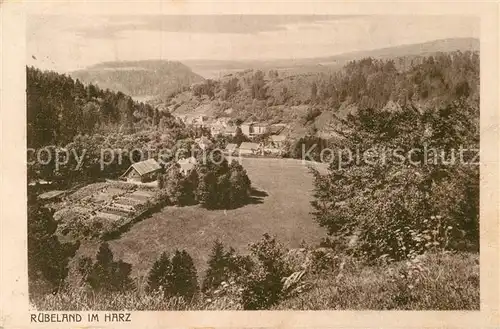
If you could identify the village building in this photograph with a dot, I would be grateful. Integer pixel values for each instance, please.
(276, 129)
(247, 148)
(277, 141)
(251, 129)
(275, 144)
(142, 172)
(219, 125)
(186, 165)
(52, 196)
(229, 131)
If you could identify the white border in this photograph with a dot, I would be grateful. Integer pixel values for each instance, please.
(13, 282)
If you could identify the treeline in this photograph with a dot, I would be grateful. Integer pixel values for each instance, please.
(371, 83)
(105, 155)
(59, 108)
(366, 83)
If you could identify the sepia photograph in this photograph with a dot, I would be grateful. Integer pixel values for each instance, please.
(253, 162)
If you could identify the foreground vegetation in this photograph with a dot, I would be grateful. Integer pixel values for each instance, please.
(437, 281)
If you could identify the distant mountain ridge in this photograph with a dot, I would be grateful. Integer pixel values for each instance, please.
(216, 68)
(140, 79)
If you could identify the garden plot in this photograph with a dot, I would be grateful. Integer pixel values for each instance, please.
(110, 204)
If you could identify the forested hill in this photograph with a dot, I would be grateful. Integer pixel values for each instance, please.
(140, 79)
(312, 100)
(58, 108)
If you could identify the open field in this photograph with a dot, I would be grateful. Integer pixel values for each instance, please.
(280, 207)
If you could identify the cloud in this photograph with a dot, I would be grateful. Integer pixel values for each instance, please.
(225, 24)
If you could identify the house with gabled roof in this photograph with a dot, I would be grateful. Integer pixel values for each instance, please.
(142, 172)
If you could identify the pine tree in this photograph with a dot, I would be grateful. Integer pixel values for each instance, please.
(161, 276)
(216, 272)
(107, 274)
(175, 277)
(184, 274)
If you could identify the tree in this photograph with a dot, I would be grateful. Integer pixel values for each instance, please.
(220, 185)
(230, 87)
(106, 274)
(176, 186)
(239, 184)
(257, 86)
(176, 276)
(239, 137)
(393, 208)
(314, 92)
(48, 258)
(263, 286)
(161, 275)
(223, 266)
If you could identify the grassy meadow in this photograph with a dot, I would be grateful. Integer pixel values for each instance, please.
(280, 206)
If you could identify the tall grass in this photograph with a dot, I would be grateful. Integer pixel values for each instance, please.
(435, 281)
(439, 281)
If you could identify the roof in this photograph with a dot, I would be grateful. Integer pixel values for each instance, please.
(51, 194)
(231, 146)
(277, 138)
(249, 123)
(249, 146)
(261, 124)
(145, 167)
(274, 129)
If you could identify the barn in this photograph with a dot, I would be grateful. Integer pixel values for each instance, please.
(144, 171)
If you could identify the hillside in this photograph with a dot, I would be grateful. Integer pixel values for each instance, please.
(315, 101)
(143, 80)
(59, 108)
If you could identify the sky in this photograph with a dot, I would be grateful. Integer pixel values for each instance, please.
(64, 43)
